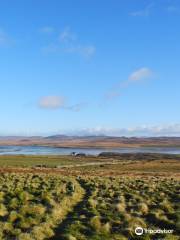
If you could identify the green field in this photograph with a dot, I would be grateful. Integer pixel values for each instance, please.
(32, 161)
(47, 160)
(148, 164)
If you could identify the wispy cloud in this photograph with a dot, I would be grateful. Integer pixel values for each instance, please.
(51, 48)
(112, 94)
(52, 102)
(85, 51)
(67, 42)
(76, 107)
(58, 102)
(4, 38)
(173, 9)
(145, 12)
(138, 75)
(67, 35)
(47, 30)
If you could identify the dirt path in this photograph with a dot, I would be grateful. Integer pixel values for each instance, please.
(112, 162)
(75, 215)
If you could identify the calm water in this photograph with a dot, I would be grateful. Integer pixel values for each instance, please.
(37, 150)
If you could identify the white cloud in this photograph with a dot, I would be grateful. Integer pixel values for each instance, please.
(143, 12)
(52, 102)
(140, 74)
(140, 131)
(47, 30)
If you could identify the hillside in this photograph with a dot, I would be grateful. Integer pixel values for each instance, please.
(91, 141)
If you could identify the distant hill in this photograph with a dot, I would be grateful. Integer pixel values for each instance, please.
(91, 141)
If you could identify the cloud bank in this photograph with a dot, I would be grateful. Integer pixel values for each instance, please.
(169, 130)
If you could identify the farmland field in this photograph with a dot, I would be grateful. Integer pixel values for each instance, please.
(81, 200)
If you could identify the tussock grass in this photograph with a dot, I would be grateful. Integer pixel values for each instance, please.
(32, 207)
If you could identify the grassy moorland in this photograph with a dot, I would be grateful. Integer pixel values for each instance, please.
(37, 207)
(122, 164)
(89, 198)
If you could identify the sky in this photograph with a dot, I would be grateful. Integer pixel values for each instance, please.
(89, 67)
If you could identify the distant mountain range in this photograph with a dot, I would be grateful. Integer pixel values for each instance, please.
(91, 141)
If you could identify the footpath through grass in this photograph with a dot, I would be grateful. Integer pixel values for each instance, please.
(50, 206)
(113, 207)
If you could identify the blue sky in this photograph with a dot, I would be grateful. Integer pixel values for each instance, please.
(90, 67)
